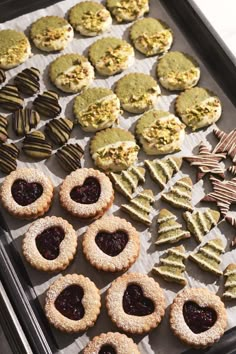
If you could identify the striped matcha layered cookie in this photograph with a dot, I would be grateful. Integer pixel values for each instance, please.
(114, 149)
(178, 71)
(27, 81)
(172, 267)
(36, 146)
(3, 129)
(127, 10)
(163, 170)
(180, 194)
(96, 109)
(230, 282)
(8, 156)
(139, 207)
(10, 99)
(47, 104)
(59, 130)
(199, 223)
(208, 257)
(160, 132)
(151, 36)
(127, 181)
(169, 230)
(24, 120)
(198, 107)
(69, 157)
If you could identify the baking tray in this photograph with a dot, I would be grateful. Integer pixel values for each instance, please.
(221, 65)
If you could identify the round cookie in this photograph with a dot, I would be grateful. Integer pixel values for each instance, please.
(71, 73)
(51, 33)
(114, 149)
(151, 36)
(111, 55)
(137, 92)
(178, 71)
(160, 132)
(90, 18)
(127, 10)
(198, 107)
(96, 109)
(14, 48)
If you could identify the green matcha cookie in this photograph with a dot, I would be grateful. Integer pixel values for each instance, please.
(24, 120)
(69, 157)
(163, 170)
(172, 267)
(14, 48)
(180, 194)
(47, 104)
(10, 99)
(71, 73)
(59, 130)
(27, 81)
(111, 55)
(127, 10)
(178, 71)
(208, 257)
(90, 18)
(198, 107)
(151, 36)
(114, 149)
(137, 92)
(160, 132)
(8, 155)
(139, 207)
(3, 129)
(51, 33)
(169, 230)
(96, 109)
(36, 146)
(230, 282)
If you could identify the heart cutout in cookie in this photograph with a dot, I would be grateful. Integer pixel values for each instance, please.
(88, 193)
(135, 303)
(199, 319)
(25, 193)
(48, 242)
(69, 302)
(112, 243)
(107, 349)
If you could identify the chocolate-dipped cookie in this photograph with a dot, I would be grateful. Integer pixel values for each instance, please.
(47, 104)
(69, 157)
(8, 156)
(59, 130)
(2, 76)
(24, 120)
(27, 81)
(10, 99)
(3, 129)
(36, 146)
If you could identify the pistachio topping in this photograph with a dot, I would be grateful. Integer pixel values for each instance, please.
(144, 100)
(54, 38)
(94, 21)
(187, 78)
(156, 43)
(15, 53)
(129, 9)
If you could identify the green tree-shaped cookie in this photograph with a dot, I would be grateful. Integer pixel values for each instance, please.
(230, 282)
(180, 194)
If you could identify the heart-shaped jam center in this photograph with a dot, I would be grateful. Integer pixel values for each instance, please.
(199, 319)
(25, 193)
(107, 349)
(135, 303)
(48, 242)
(112, 243)
(69, 302)
(88, 193)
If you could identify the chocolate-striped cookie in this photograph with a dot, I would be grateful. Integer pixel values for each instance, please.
(36, 146)
(3, 129)
(47, 104)
(69, 157)
(10, 99)
(24, 120)
(8, 155)
(2, 76)
(59, 130)
(27, 81)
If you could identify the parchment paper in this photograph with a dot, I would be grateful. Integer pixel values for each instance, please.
(161, 340)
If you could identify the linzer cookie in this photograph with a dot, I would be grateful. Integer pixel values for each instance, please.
(114, 149)
(47, 104)
(180, 194)
(137, 92)
(208, 257)
(226, 144)
(10, 99)
(71, 73)
(51, 33)
(111, 55)
(199, 223)
(163, 170)
(127, 10)
(69, 157)
(198, 107)
(198, 317)
(59, 130)
(2, 76)
(111, 244)
(135, 303)
(3, 129)
(24, 120)
(169, 230)
(96, 108)
(207, 162)
(151, 36)
(178, 71)
(90, 18)
(224, 194)
(127, 181)
(27, 81)
(139, 207)
(36, 146)
(160, 132)
(8, 156)
(172, 267)
(14, 48)
(230, 282)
